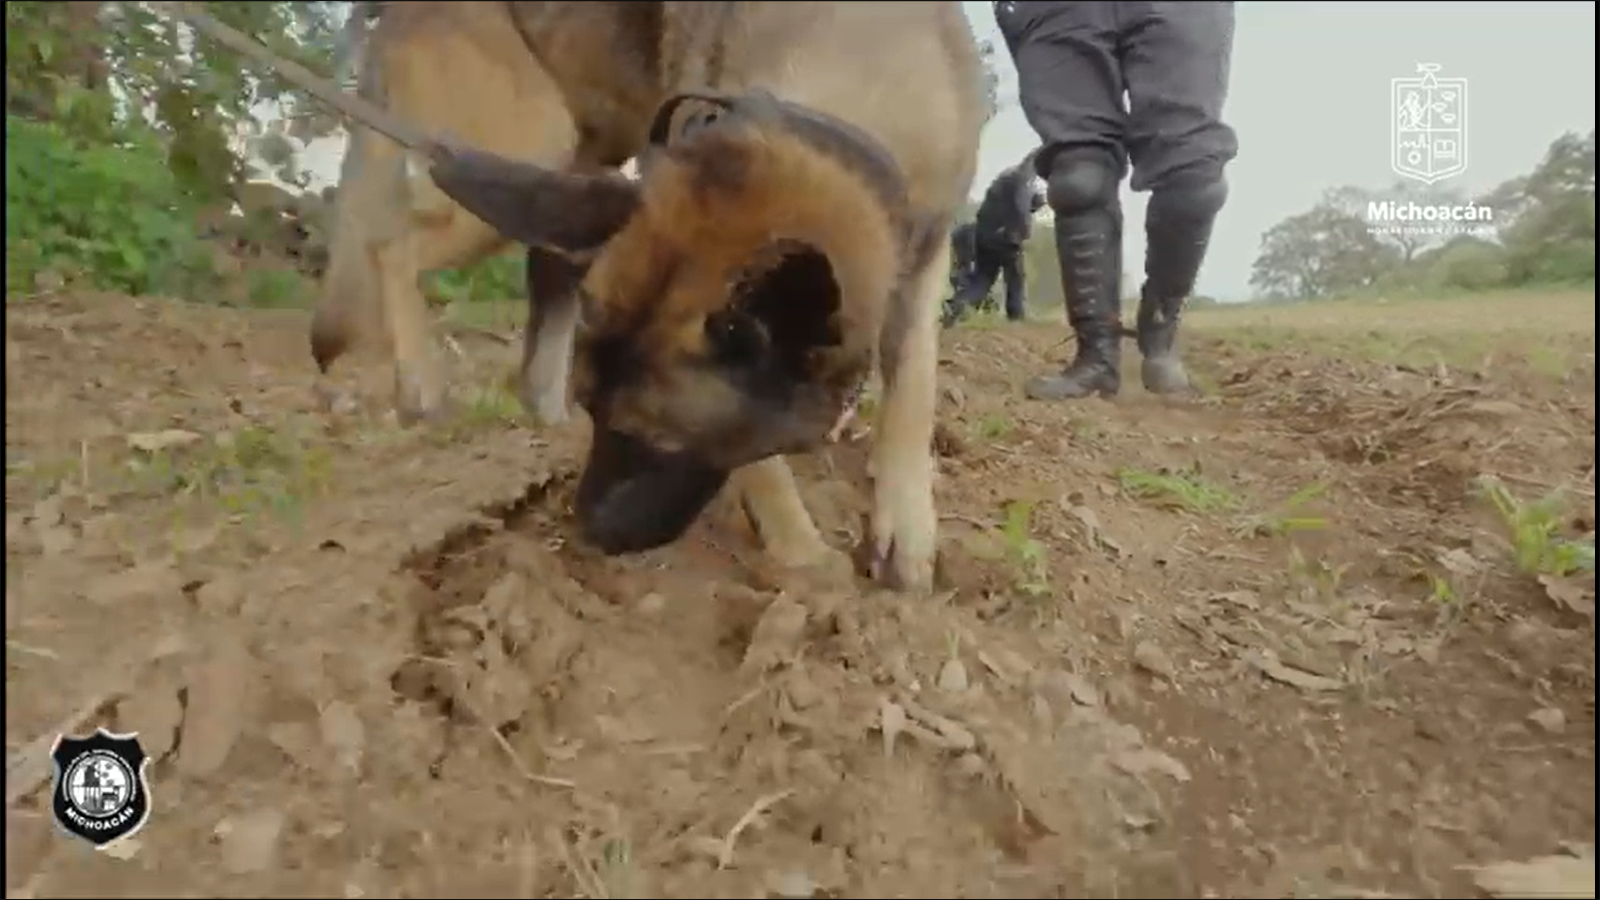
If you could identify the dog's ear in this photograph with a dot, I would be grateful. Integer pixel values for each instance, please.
(792, 293)
(573, 213)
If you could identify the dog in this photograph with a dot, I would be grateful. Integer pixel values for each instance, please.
(800, 167)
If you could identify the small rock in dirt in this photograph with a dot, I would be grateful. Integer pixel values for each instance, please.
(156, 441)
(250, 841)
(1428, 650)
(934, 729)
(971, 765)
(1006, 665)
(777, 635)
(1139, 760)
(155, 712)
(337, 399)
(1460, 562)
(193, 540)
(1549, 720)
(802, 691)
(651, 605)
(739, 607)
(125, 849)
(1074, 686)
(952, 676)
(947, 443)
(221, 596)
(299, 742)
(1243, 599)
(415, 680)
(1093, 532)
(1524, 635)
(1120, 694)
(1040, 707)
(50, 529)
(1152, 659)
(1139, 821)
(1547, 876)
(218, 699)
(892, 722)
(791, 884)
(897, 664)
(154, 579)
(343, 733)
(1569, 595)
(1269, 665)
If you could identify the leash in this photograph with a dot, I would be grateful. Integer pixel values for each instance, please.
(358, 110)
(352, 107)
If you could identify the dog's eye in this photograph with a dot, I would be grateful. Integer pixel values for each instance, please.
(736, 337)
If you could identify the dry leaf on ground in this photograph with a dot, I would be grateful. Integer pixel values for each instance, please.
(155, 712)
(1569, 594)
(156, 441)
(342, 731)
(1545, 876)
(1267, 664)
(250, 841)
(218, 690)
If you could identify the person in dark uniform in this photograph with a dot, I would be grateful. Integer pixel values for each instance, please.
(1075, 61)
(990, 246)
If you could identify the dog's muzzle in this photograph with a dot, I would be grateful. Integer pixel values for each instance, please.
(632, 497)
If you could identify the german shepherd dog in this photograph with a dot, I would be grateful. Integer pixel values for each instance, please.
(801, 164)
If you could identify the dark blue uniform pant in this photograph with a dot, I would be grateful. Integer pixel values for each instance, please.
(1109, 86)
(975, 266)
(1076, 60)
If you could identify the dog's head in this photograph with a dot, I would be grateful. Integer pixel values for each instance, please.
(733, 299)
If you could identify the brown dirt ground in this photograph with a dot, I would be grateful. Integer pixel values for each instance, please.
(371, 663)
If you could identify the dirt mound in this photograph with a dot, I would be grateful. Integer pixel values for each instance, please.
(1267, 643)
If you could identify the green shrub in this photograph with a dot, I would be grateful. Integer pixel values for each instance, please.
(500, 277)
(108, 216)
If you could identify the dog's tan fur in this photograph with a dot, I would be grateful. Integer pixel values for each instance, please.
(574, 87)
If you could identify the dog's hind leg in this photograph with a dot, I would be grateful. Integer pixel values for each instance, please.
(349, 305)
(905, 526)
(441, 238)
(470, 77)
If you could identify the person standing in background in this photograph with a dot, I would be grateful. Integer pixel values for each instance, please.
(1076, 61)
(990, 246)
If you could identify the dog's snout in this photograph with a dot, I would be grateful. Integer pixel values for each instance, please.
(633, 497)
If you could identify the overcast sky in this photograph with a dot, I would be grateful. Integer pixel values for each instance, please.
(1310, 101)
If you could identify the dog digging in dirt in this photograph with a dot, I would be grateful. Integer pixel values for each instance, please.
(800, 166)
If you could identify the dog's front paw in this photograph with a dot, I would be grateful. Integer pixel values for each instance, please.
(829, 568)
(813, 567)
(420, 393)
(905, 534)
(544, 395)
(548, 407)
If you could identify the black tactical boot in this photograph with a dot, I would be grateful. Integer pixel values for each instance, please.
(963, 298)
(1177, 230)
(1089, 247)
(1161, 370)
(952, 315)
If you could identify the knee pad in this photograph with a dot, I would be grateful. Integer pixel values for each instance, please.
(1196, 194)
(1082, 180)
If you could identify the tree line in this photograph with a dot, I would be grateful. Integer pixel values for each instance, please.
(128, 138)
(1535, 229)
